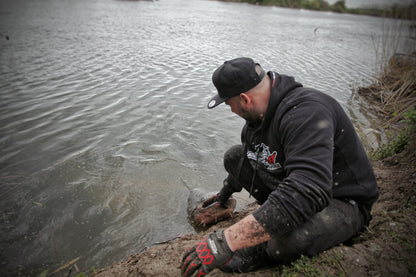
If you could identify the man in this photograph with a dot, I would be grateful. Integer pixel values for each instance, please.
(300, 158)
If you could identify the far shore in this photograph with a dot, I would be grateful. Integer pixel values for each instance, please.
(396, 11)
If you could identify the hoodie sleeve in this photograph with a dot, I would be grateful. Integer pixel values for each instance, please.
(306, 132)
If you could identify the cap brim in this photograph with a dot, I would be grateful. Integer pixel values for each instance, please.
(215, 101)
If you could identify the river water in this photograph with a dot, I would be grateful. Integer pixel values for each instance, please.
(103, 119)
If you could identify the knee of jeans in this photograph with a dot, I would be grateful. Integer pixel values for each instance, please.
(289, 248)
(232, 157)
(281, 254)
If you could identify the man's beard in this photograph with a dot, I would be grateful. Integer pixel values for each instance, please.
(248, 116)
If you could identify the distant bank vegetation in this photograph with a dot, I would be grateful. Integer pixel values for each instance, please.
(393, 11)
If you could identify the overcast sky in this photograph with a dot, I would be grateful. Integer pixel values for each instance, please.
(363, 3)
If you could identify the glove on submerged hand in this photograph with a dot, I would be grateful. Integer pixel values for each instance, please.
(221, 197)
(210, 253)
(210, 211)
(211, 200)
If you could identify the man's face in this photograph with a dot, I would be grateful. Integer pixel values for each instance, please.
(238, 109)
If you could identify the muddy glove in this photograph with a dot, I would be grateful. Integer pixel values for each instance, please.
(210, 253)
(210, 211)
(217, 198)
(209, 201)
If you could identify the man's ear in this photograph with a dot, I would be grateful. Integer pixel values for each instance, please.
(245, 99)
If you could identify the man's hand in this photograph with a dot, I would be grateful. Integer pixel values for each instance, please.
(209, 201)
(212, 211)
(222, 197)
(210, 253)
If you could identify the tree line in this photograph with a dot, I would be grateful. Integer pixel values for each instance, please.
(393, 11)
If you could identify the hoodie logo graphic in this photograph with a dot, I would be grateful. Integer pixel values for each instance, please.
(263, 156)
(272, 158)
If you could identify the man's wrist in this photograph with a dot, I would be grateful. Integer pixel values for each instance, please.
(229, 240)
(245, 233)
(224, 193)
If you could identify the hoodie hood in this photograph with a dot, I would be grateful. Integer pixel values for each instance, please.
(281, 85)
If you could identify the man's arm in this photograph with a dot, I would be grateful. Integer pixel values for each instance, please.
(217, 249)
(245, 233)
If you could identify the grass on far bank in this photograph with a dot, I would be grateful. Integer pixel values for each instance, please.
(392, 11)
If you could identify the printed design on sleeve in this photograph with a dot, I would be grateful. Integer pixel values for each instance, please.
(263, 155)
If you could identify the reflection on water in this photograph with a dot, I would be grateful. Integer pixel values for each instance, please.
(103, 119)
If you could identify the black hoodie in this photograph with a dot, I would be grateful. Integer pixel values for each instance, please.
(308, 142)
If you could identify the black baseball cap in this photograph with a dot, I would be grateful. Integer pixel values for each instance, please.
(234, 77)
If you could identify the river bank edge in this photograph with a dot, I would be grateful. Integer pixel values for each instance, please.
(386, 248)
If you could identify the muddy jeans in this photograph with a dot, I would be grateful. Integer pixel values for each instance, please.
(337, 223)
